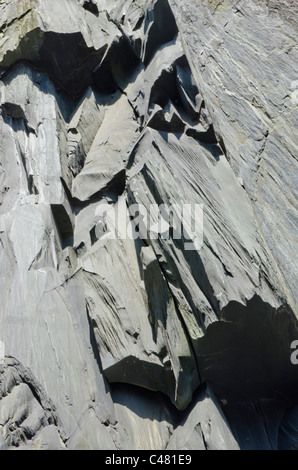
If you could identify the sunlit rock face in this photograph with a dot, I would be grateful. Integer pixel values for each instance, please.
(120, 334)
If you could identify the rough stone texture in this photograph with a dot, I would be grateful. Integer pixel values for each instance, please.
(107, 342)
(27, 417)
(245, 60)
(204, 427)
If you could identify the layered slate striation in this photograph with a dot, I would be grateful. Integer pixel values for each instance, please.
(139, 339)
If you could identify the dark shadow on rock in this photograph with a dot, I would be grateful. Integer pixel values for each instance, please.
(163, 30)
(69, 61)
(91, 6)
(247, 355)
(117, 68)
(63, 224)
(208, 136)
(255, 424)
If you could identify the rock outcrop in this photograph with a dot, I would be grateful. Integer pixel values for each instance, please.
(122, 329)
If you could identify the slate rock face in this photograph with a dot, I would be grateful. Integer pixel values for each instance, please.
(28, 418)
(115, 333)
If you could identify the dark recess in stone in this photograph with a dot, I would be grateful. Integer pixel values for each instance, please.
(247, 356)
(117, 67)
(288, 430)
(159, 123)
(208, 136)
(103, 79)
(165, 88)
(69, 62)
(93, 237)
(163, 30)
(89, 5)
(31, 185)
(63, 224)
(184, 71)
(262, 419)
(13, 110)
